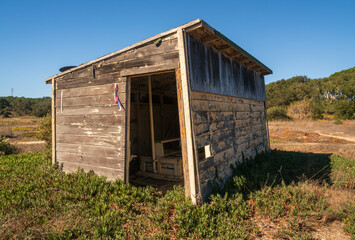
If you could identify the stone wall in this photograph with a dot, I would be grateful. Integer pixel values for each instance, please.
(232, 126)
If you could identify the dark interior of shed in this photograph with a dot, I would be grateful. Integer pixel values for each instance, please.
(155, 147)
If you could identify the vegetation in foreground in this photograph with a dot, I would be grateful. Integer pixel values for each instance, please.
(38, 200)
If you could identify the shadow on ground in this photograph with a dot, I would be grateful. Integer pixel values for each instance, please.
(275, 167)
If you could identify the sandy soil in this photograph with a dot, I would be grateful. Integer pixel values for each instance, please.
(314, 136)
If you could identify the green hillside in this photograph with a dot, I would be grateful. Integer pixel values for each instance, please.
(302, 96)
(21, 106)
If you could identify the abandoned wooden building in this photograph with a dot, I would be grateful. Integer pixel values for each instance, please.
(181, 106)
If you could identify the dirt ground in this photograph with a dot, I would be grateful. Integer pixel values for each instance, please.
(314, 136)
(21, 132)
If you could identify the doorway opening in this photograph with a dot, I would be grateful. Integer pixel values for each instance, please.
(155, 146)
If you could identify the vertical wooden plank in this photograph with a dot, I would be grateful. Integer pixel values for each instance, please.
(53, 122)
(151, 117)
(128, 130)
(182, 133)
(187, 114)
(267, 128)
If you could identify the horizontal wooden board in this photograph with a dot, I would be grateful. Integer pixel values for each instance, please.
(91, 130)
(90, 110)
(92, 120)
(105, 140)
(96, 100)
(92, 90)
(110, 173)
(98, 79)
(99, 151)
(167, 45)
(87, 159)
(162, 64)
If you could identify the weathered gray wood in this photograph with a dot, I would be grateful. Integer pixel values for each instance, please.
(161, 65)
(100, 151)
(89, 81)
(127, 144)
(53, 122)
(108, 140)
(184, 87)
(91, 130)
(96, 100)
(146, 41)
(93, 90)
(91, 120)
(91, 110)
(212, 71)
(110, 173)
(90, 159)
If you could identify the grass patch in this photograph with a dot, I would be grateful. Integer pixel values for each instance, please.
(38, 200)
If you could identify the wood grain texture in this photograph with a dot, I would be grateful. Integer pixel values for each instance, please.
(212, 71)
(109, 173)
(185, 98)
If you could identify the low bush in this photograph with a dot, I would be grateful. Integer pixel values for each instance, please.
(300, 110)
(344, 109)
(45, 130)
(6, 148)
(342, 172)
(277, 113)
(39, 201)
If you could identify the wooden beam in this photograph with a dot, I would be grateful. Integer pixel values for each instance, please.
(209, 38)
(224, 47)
(182, 133)
(151, 116)
(187, 115)
(53, 121)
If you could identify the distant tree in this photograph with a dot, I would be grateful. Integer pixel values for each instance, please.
(42, 108)
(332, 95)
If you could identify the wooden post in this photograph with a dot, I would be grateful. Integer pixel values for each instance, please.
(267, 129)
(187, 117)
(128, 129)
(53, 121)
(152, 122)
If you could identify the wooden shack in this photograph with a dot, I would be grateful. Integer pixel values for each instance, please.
(181, 106)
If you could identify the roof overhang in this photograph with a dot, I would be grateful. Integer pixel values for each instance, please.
(200, 30)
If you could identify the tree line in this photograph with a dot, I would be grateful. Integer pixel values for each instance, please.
(21, 106)
(302, 97)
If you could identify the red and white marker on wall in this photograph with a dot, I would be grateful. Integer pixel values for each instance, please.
(117, 100)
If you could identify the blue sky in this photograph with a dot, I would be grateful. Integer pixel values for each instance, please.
(312, 37)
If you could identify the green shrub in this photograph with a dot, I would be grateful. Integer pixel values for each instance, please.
(342, 172)
(338, 122)
(45, 130)
(345, 109)
(6, 148)
(317, 110)
(277, 113)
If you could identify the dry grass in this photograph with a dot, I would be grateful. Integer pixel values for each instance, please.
(314, 136)
(22, 132)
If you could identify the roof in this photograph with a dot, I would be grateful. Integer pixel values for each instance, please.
(200, 30)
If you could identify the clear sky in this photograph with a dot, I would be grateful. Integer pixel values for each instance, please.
(305, 37)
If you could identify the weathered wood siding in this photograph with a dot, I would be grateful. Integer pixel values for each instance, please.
(232, 126)
(213, 72)
(227, 102)
(90, 130)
